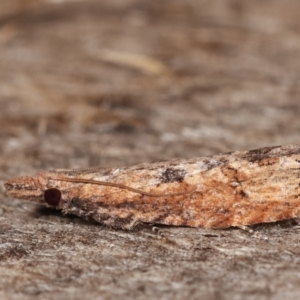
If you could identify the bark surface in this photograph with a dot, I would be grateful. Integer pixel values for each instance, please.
(122, 82)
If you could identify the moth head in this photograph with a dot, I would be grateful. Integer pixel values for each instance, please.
(35, 189)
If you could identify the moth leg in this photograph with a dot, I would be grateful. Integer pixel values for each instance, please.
(128, 223)
(158, 231)
(253, 233)
(246, 229)
(132, 225)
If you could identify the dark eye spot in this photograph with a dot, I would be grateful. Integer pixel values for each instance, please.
(52, 196)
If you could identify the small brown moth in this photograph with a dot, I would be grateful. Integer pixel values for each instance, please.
(231, 189)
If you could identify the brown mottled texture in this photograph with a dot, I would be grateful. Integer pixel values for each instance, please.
(116, 83)
(240, 188)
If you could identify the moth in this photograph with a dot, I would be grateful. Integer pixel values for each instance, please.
(231, 189)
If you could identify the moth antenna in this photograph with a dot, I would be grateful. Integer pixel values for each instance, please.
(118, 185)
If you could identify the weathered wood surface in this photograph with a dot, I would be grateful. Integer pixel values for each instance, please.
(115, 83)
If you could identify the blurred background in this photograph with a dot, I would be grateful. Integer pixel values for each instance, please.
(119, 82)
(109, 83)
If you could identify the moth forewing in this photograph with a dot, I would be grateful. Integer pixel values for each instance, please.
(231, 189)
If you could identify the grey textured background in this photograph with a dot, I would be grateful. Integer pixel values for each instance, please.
(114, 83)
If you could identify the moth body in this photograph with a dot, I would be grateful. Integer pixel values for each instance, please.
(231, 189)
